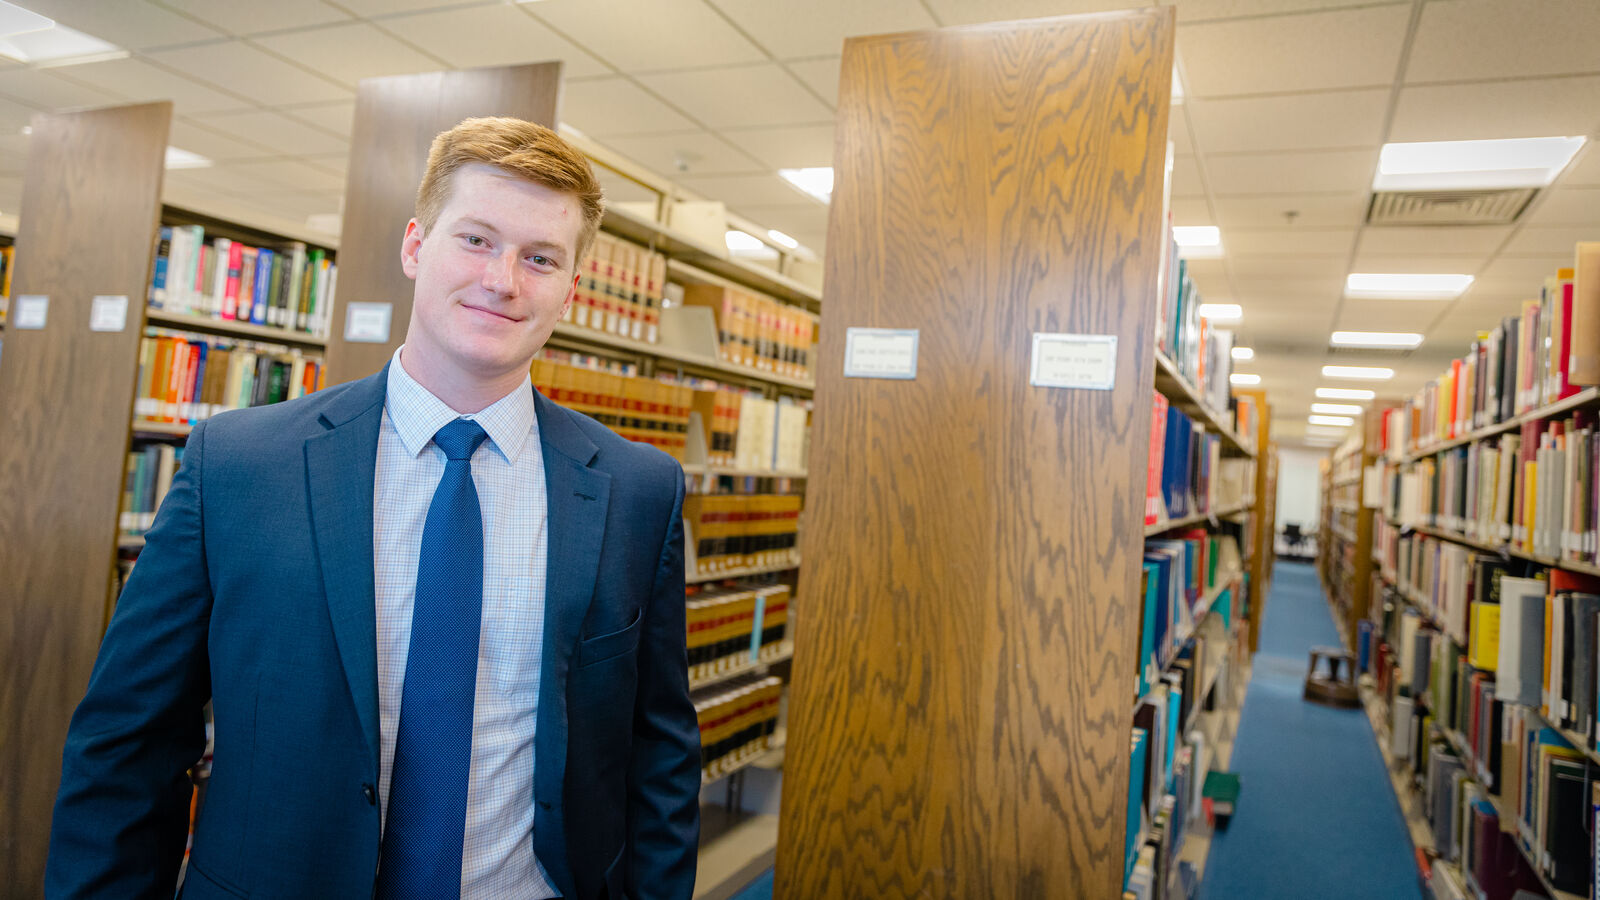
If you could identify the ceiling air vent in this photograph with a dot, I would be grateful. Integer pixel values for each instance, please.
(1491, 207)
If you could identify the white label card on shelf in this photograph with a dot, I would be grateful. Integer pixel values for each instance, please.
(368, 323)
(109, 312)
(1084, 361)
(30, 311)
(881, 353)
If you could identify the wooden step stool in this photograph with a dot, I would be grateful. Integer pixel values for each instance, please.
(1338, 686)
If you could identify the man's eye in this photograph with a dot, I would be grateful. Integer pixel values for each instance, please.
(541, 260)
(475, 241)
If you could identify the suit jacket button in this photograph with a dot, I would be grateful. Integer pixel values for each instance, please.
(544, 804)
(370, 794)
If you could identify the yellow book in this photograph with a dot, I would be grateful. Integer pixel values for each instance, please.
(1530, 487)
(1484, 653)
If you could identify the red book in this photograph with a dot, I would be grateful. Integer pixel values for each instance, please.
(1561, 343)
(1450, 398)
(1158, 432)
(230, 291)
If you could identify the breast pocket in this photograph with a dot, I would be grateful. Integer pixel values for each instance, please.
(608, 646)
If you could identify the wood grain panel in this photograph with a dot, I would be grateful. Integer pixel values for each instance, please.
(959, 717)
(397, 118)
(1263, 488)
(89, 220)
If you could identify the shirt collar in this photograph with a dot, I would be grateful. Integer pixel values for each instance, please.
(418, 415)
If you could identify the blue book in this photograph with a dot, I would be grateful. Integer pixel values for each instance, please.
(1174, 705)
(1135, 804)
(1148, 625)
(158, 279)
(261, 288)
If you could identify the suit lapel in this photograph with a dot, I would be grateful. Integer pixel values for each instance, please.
(340, 467)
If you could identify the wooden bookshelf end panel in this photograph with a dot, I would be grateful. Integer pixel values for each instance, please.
(958, 710)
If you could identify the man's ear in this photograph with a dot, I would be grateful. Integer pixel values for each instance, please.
(571, 292)
(410, 245)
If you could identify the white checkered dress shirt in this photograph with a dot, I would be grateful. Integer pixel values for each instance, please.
(508, 470)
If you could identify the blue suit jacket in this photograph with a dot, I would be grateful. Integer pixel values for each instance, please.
(255, 589)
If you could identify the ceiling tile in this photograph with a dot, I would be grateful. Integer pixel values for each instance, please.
(1569, 206)
(1532, 240)
(135, 79)
(1585, 170)
(217, 179)
(621, 189)
(793, 147)
(288, 174)
(271, 81)
(337, 163)
(1483, 39)
(1415, 263)
(1315, 51)
(821, 75)
(1307, 327)
(1302, 122)
(1387, 315)
(273, 130)
(1292, 173)
(134, 24)
(1326, 271)
(1528, 270)
(495, 35)
(1439, 240)
(609, 107)
(1483, 311)
(338, 117)
(1178, 131)
(1191, 210)
(244, 18)
(809, 218)
(1294, 240)
(1487, 111)
(1310, 210)
(13, 116)
(46, 89)
(211, 144)
(1186, 177)
(741, 97)
(660, 34)
(790, 30)
(676, 156)
(741, 191)
(1191, 11)
(349, 53)
(972, 12)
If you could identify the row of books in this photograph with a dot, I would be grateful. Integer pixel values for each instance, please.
(737, 718)
(728, 532)
(640, 409)
(1203, 354)
(1183, 458)
(1546, 353)
(147, 479)
(758, 332)
(730, 626)
(1537, 489)
(1161, 799)
(1174, 578)
(620, 289)
(748, 431)
(289, 286)
(1495, 752)
(187, 377)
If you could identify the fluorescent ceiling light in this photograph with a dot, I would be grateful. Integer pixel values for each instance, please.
(1380, 339)
(739, 240)
(1345, 393)
(1244, 353)
(58, 46)
(816, 181)
(1242, 378)
(1221, 312)
(183, 159)
(1404, 286)
(1336, 409)
(1177, 88)
(782, 238)
(1342, 421)
(1198, 241)
(1368, 373)
(16, 20)
(1453, 165)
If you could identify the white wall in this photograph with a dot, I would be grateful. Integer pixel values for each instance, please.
(1299, 488)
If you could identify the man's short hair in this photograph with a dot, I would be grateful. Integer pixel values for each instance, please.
(518, 148)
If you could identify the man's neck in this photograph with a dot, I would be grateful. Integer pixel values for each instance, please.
(466, 394)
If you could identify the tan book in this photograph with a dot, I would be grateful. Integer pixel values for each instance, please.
(1584, 355)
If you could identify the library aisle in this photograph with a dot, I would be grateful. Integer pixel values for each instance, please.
(1316, 817)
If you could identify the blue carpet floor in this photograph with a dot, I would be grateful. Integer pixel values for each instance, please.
(1316, 817)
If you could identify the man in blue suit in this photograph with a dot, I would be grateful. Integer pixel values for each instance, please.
(440, 619)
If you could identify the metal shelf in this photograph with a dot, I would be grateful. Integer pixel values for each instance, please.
(745, 572)
(1166, 525)
(1172, 384)
(234, 328)
(579, 334)
(784, 653)
(1580, 399)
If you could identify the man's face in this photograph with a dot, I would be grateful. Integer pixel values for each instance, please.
(494, 274)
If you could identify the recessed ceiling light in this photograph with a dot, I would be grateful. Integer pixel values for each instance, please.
(1336, 409)
(1244, 353)
(1345, 393)
(1404, 286)
(815, 181)
(1368, 373)
(782, 238)
(183, 159)
(1456, 165)
(1343, 421)
(1376, 339)
(1221, 312)
(1198, 241)
(1243, 378)
(58, 46)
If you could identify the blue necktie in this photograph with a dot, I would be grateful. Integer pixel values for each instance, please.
(427, 811)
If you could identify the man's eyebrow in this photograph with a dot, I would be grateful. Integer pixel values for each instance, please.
(481, 225)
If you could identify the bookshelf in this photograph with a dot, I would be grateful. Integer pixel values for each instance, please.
(1345, 544)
